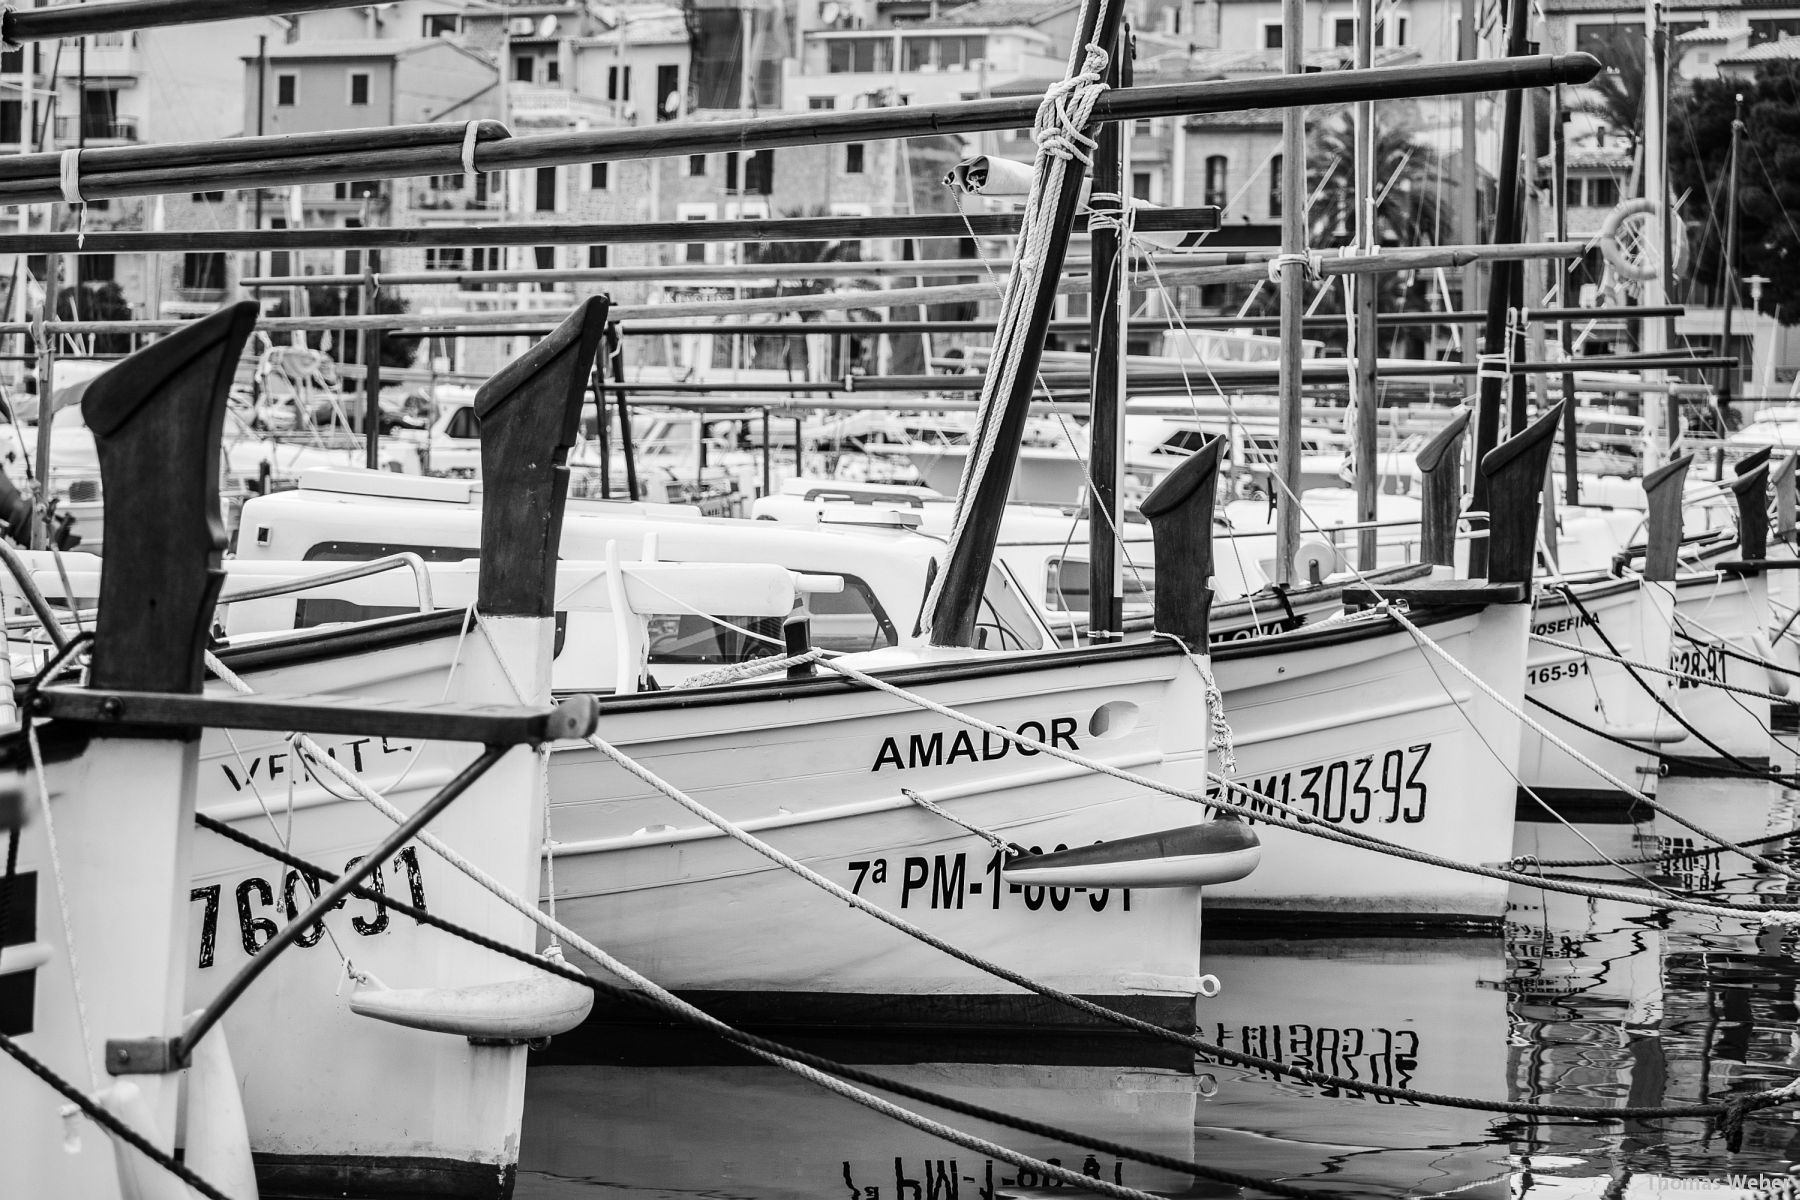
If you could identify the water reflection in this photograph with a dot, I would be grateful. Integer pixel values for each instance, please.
(1586, 1002)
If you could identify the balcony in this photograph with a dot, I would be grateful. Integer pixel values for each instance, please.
(95, 130)
(108, 54)
(538, 106)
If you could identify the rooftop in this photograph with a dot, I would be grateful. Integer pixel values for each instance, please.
(987, 14)
(1776, 51)
(353, 48)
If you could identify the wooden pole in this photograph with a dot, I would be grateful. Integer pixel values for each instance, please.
(966, 570)
(1293, 301)
(1468, 50)
(678, 138)
(371, 356)
(1559, 142)
(1728, 379)
(1367, 290)
(1493, 343)
(46, 385)
(1106, 317)
(616, 351)
(1658, 412)
(50, 24)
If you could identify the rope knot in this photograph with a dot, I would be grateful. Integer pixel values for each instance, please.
(1307, 260)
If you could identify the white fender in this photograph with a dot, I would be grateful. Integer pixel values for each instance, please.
(514, 1010)
(1778, 682)
(989, 175)
(218, 1138)
(139, 1178)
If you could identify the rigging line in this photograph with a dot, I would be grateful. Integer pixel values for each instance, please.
(704, 1021)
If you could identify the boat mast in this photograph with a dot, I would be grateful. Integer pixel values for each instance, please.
(1728, 377)
(1111, 262)
(955, 600)
(1368, 292)
(1492, 378)
(1293, 301)
(1653, 338)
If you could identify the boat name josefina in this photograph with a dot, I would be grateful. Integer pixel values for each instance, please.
(941, 749)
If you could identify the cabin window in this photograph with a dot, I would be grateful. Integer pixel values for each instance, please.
(1066, 585)
(463, 424)
(1003, 622)
(359, 88)
(850, 620)
(311, 611)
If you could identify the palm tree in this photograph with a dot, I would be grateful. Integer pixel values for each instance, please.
(1410, 183)
(1617, 94)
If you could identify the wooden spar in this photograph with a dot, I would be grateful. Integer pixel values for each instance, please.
(1515, 473)
(1492, 385)
(529, 413)
(1292, 276)
(1107, 313)
(1752, 491)
(1367, 292)
(1727, 380)
(116, 16)
(538, 323)
(25, 167)
(970, 554)
(157, 419)
(961, 268)
(1664, 490)
(1440, 465)
(676, 138)
(772, 229)
(1180, 512)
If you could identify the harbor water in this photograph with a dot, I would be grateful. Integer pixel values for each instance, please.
(1581, 1002)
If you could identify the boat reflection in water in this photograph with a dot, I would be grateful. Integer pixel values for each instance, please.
(674, 1112)
(1419, 1013)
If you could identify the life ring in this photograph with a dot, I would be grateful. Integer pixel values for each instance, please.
(1629, 260)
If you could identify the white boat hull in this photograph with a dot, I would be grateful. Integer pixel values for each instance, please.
(1635, 618)
(1721, 610)
(1364, 733)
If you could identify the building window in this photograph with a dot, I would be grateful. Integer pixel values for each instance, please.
(1597, 39)
(819, 103)
(1398, 29)
(488, 186)
(280, 261)
(597, 256)
(668, 92)
(696, 165)
(597, 173)
(12, 121)
(759, 173)
(731, 170)
(1275, 208)
(94, 268)
(359, 88)
(1343, 31)
(203, 272)
(447, 183)
(1140, 185)
(545, 256)
(522, 67)
(444, 258)
(853, 158)
(208, 197)
(1602, 193)
(546, 189)
(1271, 35)
(1572, 192)
(696, 251)
(1760, 31)
(859, 56)
(552, 70)
(287, 90)
(618, 83)
(361, 189)
(440, 24)
(1214, 195)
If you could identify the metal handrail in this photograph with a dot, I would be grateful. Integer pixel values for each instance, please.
(374, 566)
